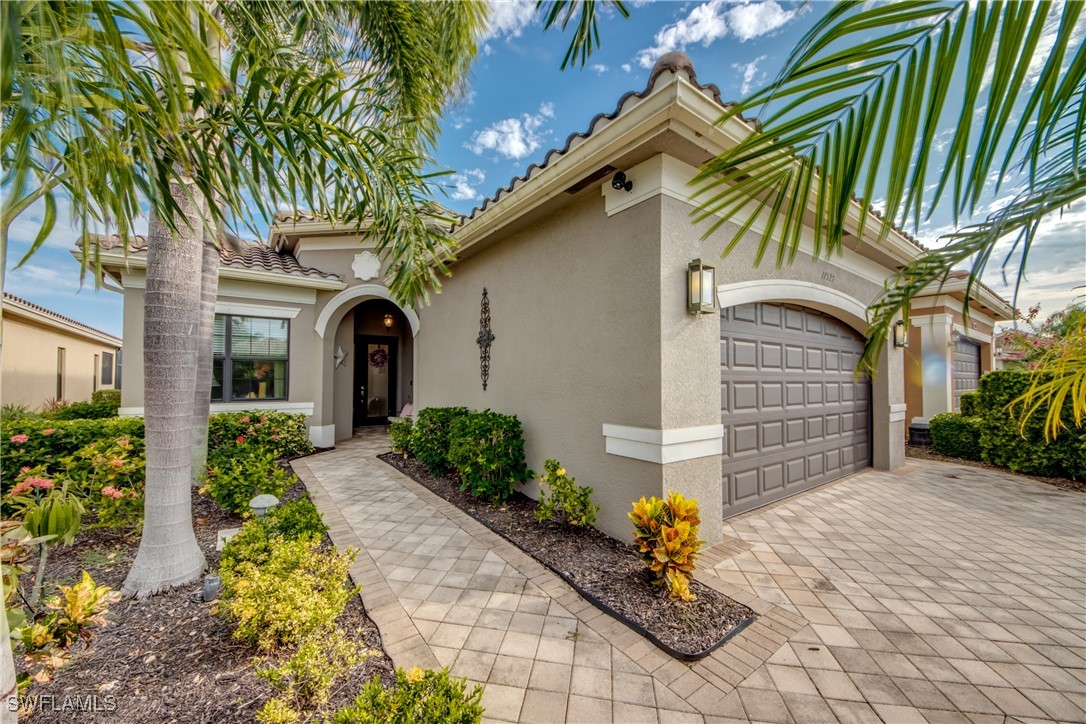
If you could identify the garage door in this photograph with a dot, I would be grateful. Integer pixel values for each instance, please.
(966, 369)
(794, 416)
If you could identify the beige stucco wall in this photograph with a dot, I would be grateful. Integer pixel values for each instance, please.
(574, 304)
(30, 363)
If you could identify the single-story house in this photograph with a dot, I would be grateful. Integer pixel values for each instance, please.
(50, 357)
(948, 351)
(569, 307)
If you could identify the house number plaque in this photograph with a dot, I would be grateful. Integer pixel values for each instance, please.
(485, 338)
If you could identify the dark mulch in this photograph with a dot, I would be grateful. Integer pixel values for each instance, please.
(608, 569)
(923, 452)
(166, 658)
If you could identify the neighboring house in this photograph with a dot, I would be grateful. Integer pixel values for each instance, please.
(948, 353)
(568, 306)
(48, 356)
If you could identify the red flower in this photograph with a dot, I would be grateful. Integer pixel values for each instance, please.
(20, 439)
(241, 439)
(244, 419)
(47, 432)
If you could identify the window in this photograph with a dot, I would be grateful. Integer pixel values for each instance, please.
(94, 374)
(250, 358)
(117, 382)
(107, 368)
(60, 373)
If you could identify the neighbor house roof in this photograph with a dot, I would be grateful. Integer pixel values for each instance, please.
(237, 255)
(19, 307)
(955, 284)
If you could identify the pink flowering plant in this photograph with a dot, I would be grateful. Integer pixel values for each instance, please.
(111, 475)
(281, 434)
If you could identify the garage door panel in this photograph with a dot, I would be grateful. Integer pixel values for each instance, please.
(966, 369)
(797, 416)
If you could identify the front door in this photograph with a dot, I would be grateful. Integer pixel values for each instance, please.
(375, 379)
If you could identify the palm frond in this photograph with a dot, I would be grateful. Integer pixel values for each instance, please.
(1057, 382)
(586, 34)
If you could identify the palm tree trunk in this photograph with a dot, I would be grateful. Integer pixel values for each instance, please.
(169, 554)
(209, 290)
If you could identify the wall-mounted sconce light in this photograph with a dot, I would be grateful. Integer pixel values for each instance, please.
(620, 183)
(388, 321)
(901, 335)
(701, 288)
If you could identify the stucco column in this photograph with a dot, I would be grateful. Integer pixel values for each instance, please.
(888, 410)
(937, 363)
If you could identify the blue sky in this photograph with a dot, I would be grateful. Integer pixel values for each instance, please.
(518, 105)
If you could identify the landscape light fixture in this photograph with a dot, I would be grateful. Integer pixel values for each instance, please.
(701, 288)
(621, 183)
(901, 335)
(261, 504)
(388, 321)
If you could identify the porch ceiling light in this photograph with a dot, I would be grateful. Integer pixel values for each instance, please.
(701, 288)
(388, 321)
(901, 336)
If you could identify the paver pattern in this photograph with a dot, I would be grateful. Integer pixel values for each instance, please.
(943, 594)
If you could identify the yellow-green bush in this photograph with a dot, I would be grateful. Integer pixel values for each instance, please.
(666, 534)
(418, 696)
(298, 590)
(567, 500)
(306, 678)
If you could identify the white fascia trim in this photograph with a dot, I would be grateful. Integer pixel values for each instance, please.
(305, 408)
(356, 292)
(664, 446)
(322, 435)
(972, 334)
(256, 310)
(897, 412)
(848, 309)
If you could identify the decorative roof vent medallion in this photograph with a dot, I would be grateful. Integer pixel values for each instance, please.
(366, 266)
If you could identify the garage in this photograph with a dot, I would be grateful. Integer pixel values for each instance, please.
(966, 369)
(794, 415)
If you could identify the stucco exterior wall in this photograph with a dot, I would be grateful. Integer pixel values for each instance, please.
(30, 363)
(574, 305)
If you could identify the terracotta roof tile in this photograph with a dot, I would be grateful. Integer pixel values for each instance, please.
(59, 317)
(235, 252)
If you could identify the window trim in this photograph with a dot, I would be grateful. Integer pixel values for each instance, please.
(228, 358)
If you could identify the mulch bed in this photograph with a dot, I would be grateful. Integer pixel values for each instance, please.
(923, 452)
(607, 569)
(166, 658)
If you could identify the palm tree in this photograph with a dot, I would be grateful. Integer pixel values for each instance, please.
(856, 110)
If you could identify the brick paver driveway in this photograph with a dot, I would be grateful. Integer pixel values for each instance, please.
(943, 593)
(947, 593)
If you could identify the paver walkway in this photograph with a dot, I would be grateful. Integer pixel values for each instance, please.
(882, 597)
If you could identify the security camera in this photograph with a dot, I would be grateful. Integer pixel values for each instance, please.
(619, 182)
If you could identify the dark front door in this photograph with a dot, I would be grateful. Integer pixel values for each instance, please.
(374, 379)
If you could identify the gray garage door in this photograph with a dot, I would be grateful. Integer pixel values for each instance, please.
(794, 416)
(966, 369)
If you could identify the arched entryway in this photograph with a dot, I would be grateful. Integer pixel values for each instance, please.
(383, 371)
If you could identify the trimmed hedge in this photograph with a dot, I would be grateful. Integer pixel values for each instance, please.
(48, 440)
(487, 450)
(103, 403)
(282, 433)
(1003, 443)
(430, 437)
(970, 404)
(956, 435)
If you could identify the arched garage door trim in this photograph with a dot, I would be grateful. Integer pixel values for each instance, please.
(837, 304)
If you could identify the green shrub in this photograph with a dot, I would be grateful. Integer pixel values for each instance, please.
(430, 437)
(296, 520)
(970, 404)
(1004, 443)
(417, 696)
(306, 678)
(283, 433)
(956, 435)
(12, 411)
(30, 442)
(401, 432)
(487, 450)
(103, 404)
(234, 483)
(567, 500)
(297, 591)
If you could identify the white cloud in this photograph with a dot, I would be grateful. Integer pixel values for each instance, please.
(713, 20)
(508, 18)
(465, 183)
(513, 138)
(752, 20)
(600, 68)
(749, 71)
(627, 67)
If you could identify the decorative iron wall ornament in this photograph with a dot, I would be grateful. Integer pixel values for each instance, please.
(485, 338)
